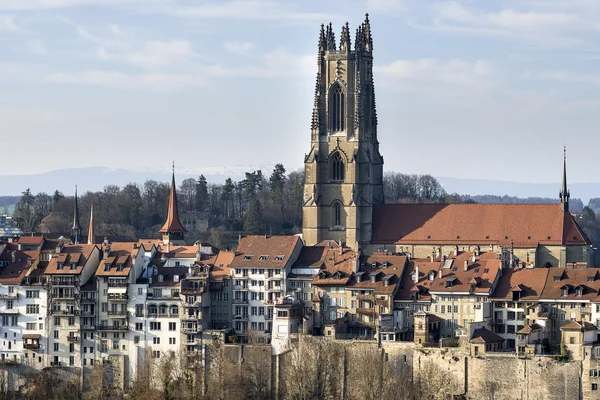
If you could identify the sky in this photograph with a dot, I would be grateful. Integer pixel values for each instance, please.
(466, 89)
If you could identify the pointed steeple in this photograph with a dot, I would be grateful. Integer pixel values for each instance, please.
(322, 43)
(76, 229)
(330, 38)
(564, 191)
(316, 117)
(345, 39)
(172, 229)
(91, 238)
(367, 34)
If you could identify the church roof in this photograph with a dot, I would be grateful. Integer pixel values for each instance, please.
(525, 225)
(172, 224)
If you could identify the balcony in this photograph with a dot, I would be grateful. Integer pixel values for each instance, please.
(55, 364)
(8, 296)
(72, 339)
(190, 331)
(31, 346)
(188, 317)
(241, 317)
(118, 313)
(268, 317)
(195, 304)
(151, 296)
(193, 290)
(274, 277)
(216, 286)
(365, 297)
(64, 312)
(366, 311)
(116, 284)
(240, 287)
(64, 283)
(586, 310)
(115, 328)
(87, 313)
(64, 295)
(88, 327)
(168, 315)
(240, 301)
(498, 321)
(88, 300)
(117, 297)
(274, 289)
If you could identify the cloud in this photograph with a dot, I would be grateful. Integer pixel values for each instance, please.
(453, 72)
(36, 46)
(120, 80)
(153, 54)
(238, 48)
(8, 23)
(562, 76)
(384, 5)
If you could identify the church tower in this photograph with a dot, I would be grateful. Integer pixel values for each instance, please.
(564, 193)
(173, 230)
(76, 228)
(343, 171)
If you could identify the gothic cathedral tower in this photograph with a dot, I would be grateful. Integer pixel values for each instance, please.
(343, 171)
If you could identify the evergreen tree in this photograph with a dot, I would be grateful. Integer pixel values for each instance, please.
(277, 179)
(202, 199)
(24, 215)
(227, 196)
(254, 222)
(57, 197)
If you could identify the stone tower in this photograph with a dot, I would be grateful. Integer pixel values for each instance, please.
(343, 170)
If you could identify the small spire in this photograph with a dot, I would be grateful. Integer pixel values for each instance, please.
(76, 229)
(322, 43)
(564, 192)
(345, 38)
(91, 238)
(173, 224)
(315, 123)
(330, 38)
(367, 34)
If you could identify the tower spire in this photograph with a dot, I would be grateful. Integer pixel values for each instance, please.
(91, 238)
(172, 227)
(564, 191)
(345, 39)
(76, 228)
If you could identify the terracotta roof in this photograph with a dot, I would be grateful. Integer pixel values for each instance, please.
(172, 224)
(527, 225)
(180, 251)
(559, 278)
(260, 251)
(338, 265)
(77, 253)
(579, 326)
(15, 272)
(119, 261)
(408, 287)
(31, 336)
(314, 256)
(32, 240)
(387, 268)
(221, 264)
(527, 329)
(167, 276)
(148, 243)
(482, 273)
(530, 282)
(483, 335)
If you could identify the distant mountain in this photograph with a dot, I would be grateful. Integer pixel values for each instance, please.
(96, 178)
(583, 191)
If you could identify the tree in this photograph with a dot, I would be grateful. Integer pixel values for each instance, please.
(277, 179)
(254, 222)
(202, 199)
(187, 194)
(227, 197)
(24, 214)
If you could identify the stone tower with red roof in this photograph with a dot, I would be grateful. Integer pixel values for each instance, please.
(343, 170)
(173, 230)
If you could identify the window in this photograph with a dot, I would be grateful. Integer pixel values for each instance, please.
(139, 326)
(32, 294)
(336, 109)
(11, 289)
(140, 291)
(337, 214)
(337, 168)
(156, 340)
(155, 326)
(172, 340)
(71, 360)
(136, 339)
(31, 326)
(55, 346)
(32, 309)
(71, 347)
(55, 334)
(594, 386)
(172, 326)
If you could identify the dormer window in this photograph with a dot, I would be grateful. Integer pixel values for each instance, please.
(431, 275)
(160, 278)
(385, 264)
(73, 266)
(106, 267)
(450, 281)
(247, 258)
(414, 277)
(374, 265)
(279, 258)
(579, 291)
(120, 267)
(556, 278)
(373, 278)
(263, 258)
(565, 291)
(61, 266)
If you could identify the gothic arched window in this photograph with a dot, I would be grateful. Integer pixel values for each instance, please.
(337, 168)
(336, 109)
(337, 214)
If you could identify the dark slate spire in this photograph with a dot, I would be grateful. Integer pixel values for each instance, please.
(76, 229)
(345, 44)
(322, 43)
(564, 192)
(359, 44)
(330, 38)
(367, 34)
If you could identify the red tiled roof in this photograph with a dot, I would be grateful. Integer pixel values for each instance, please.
(336, 266)
(37, 240)
(527, 225)
(529, 281)
(77, 253)
(120, 253)
(386, 266)
(15, 272)
(252, 250)
(221, 265)
(572, 278)
(483, 335)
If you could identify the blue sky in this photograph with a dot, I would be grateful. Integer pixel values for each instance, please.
(468, 89)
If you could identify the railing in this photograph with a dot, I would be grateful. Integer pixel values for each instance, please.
(64, 312)
(189, 331)
(193, 290)
(118, 297)
(72, 339)
(586, 310)
(240, 301)
(118, 313)
(192, 305)
(31, 346)
(240, 317)
(88, 313)
(274, 289)
(150, 296)
(117, 284)
(365, 297)
(113, 328)
(368, 311)
(64, 283)
(88, 300)
(351, 336)
(63, 295)
(88, 327)
(55, 364)
(8, 296)
(168, 315)
(268, 317)
(187, 317)
(240, 287)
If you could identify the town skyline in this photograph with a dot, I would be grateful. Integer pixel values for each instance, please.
(454, 80)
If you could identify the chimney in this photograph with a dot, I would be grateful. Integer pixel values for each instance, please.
(466, 265)
(106, 251)
(431, 258)
(440, 273)
(168, 246)
(13, 256)
(473, 259)
(29, 261)
(417, 273)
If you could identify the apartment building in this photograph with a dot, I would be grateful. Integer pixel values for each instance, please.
(259, 272)
(66, 272)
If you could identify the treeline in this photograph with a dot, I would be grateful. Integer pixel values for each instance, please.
(575, 205)
(315, 369)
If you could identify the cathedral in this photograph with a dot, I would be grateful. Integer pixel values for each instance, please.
(343, 189)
